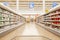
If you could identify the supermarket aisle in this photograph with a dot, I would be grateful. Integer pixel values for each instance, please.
(30, 31)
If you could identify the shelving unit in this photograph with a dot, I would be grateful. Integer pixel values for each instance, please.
(9, 19)
(51, 20)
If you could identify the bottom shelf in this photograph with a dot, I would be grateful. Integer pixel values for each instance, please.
(7, 29)
(53, 30)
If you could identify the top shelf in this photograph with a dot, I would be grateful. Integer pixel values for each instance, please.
(55, 8)
(9, 9)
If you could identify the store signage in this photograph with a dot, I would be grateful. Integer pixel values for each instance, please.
(31, 5)
(6, 3)
(47, 10)
(54, 4)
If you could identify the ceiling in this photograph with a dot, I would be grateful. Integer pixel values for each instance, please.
(24, 5)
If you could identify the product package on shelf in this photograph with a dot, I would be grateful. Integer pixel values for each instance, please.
(55, 22)
(1, 24)
(12, 23)
(55, 18)
(1, 18)
(53, 26)
(7, 23)
(0, 10)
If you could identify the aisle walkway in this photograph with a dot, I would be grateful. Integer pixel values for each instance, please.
(30, 31)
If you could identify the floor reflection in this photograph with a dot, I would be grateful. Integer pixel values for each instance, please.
(30, 38)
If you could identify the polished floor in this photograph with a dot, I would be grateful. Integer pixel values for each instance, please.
(30, 31)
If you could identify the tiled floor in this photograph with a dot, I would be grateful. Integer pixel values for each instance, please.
(30, 31)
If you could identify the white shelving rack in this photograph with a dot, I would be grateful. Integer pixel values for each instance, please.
(50, 20)
(9, 19)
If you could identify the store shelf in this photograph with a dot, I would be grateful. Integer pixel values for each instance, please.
(51, 20)
(8, 29)
(9, 19)
(55, 31)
